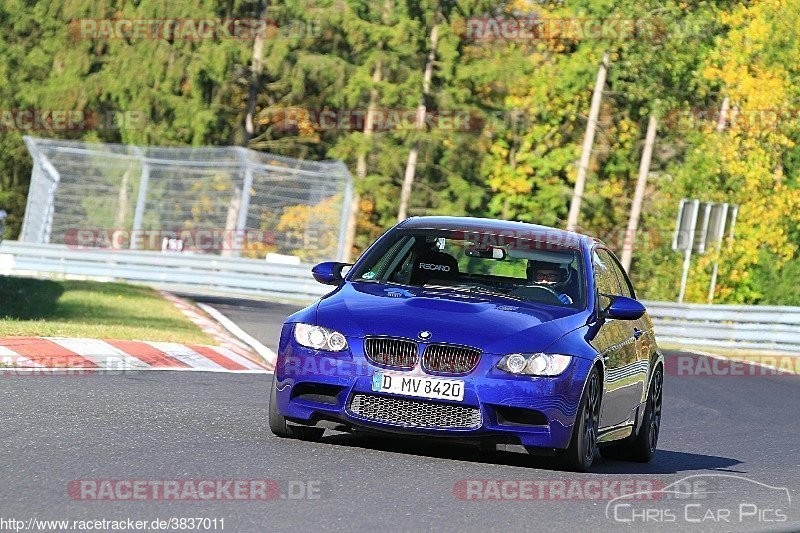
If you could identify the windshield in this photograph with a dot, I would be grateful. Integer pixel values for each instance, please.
(507, 267)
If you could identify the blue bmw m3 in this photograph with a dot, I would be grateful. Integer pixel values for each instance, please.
(505, 334)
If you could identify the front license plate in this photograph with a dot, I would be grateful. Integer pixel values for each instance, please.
(435, 388)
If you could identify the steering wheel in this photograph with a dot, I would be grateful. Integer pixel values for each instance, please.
(551, 294)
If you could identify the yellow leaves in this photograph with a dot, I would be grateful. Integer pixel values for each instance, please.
(760, 88)
(520, 6)
(257, 250)
(312, 229)
(750, 151)
(366, 205)
(509, 182)
(713, 72)
(739, 63)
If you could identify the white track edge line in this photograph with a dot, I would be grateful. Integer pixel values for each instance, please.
(733, 358)
(267, 354)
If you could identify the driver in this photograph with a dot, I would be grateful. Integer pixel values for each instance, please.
(551, 276)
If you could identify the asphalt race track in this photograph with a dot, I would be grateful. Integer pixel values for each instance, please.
(734, 439)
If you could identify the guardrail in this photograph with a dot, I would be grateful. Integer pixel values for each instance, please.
(772, 328)
(745, 327)
(201, 274)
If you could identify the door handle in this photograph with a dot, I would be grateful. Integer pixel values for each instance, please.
(637, 333)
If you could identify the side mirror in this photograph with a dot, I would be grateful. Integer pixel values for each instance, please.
(624, 308)
(329, 273)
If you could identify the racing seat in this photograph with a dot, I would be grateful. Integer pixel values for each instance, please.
(433, 265)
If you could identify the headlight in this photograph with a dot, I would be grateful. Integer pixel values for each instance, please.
(319, 338)
(536, 364)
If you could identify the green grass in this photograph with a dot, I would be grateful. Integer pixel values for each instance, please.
(36, 307)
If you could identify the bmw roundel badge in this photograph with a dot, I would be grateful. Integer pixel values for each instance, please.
(424, 335)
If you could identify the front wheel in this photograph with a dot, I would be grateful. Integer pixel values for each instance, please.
(581, 451)
(642, 447)
(278, 425)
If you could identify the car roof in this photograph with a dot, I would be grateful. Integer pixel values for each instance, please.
(502, 227)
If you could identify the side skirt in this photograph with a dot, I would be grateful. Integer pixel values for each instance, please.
(615, 433)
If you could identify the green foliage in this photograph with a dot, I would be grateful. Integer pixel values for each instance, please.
(527, 103)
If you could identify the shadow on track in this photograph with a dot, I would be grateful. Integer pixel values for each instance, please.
(664, 462)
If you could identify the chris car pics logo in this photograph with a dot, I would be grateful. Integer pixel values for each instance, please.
(715, 501)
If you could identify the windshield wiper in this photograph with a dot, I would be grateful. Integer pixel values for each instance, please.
(383, 282)
(481, 290)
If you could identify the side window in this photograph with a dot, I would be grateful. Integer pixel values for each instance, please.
(605, 278)
(624, 282)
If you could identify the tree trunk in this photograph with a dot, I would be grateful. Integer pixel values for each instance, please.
(413, 154)
(361, 163)
(256, 70)
(638, 197)
(588, 141)
(512, 162)
(369, 126)
(723, 114)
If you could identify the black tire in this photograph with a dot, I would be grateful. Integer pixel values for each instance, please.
(642, 447)
(581, 451)
(278, 425)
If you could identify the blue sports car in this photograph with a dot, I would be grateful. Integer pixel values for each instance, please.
(509, 335)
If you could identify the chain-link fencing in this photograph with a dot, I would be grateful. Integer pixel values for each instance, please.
(219, 200)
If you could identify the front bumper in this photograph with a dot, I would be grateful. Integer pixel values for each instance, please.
(318, 388)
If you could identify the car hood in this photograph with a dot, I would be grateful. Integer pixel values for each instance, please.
(493, 324)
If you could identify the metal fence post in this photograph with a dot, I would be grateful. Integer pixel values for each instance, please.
(30, 205)
(690, 232)
(141, 199)
(3, 216)
(50, 210)
(244, 204)
(347, 200)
